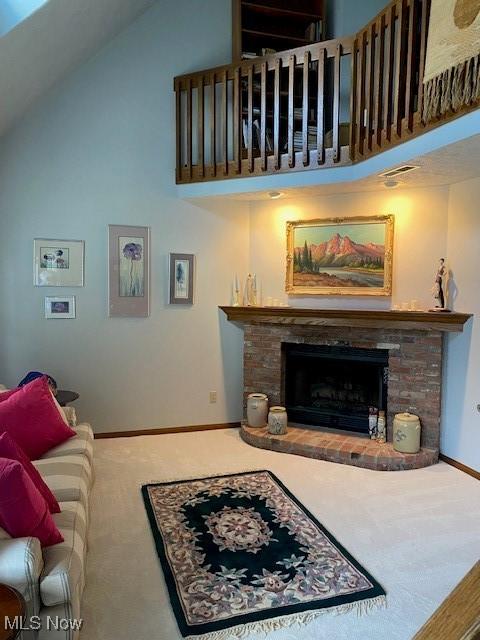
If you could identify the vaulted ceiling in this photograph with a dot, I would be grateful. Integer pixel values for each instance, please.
(48, 44)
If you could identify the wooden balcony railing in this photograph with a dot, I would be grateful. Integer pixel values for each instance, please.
(327, 104)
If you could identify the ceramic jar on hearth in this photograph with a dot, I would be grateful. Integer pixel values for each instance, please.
(257, 410)
(406, 433)
(277, 421)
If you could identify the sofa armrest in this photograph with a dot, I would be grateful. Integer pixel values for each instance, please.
(21, 563)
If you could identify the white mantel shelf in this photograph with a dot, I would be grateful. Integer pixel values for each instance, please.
(418, 320)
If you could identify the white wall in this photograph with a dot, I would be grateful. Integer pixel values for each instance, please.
(101, 150)
(420, 240)
(461, 419)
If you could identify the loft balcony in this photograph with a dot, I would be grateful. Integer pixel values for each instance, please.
(324, 105)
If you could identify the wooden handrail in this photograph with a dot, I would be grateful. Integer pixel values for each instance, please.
(286, 111)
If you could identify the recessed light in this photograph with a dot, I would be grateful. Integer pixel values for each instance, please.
(274, 195)
(391, 184)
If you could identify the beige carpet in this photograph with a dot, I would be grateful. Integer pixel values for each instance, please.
(417, 532)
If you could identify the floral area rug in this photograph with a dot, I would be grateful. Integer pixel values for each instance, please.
(241, 554)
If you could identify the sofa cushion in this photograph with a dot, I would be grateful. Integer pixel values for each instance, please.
(23, 510)
(68, 477)
(80, 444)
(63, 573)
(11, 450)
(30, 416)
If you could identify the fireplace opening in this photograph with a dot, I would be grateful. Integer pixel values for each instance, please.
(333, 386)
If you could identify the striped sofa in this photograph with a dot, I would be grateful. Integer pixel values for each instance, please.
(52, 580)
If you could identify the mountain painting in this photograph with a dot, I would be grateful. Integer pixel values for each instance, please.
(340, 256)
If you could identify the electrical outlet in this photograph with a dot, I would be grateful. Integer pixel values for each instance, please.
(213, 397)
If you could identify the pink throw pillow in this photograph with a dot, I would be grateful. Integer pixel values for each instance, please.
(9, 449)
(23, 510)
(30, 416)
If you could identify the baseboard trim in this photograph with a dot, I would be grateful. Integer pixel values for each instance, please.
(166, 430)
(460, 466)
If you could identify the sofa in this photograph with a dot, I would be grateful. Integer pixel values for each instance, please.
(52, 580)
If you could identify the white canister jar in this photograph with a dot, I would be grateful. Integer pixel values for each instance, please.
(406, 433)
(277, 421)
(257, 410)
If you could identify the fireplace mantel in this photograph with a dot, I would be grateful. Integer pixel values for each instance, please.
(417, 320)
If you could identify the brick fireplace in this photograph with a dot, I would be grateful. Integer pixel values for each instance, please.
(413, 343)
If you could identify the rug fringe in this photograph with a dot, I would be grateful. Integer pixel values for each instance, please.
(196, 477)
(362, 607)
(452, 89)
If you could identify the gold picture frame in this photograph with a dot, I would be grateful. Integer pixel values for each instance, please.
(322, 258)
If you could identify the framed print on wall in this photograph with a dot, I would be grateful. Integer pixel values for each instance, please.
(58, 263)
(129, 271)
(182, 276)
(59, 307)
(340, 256)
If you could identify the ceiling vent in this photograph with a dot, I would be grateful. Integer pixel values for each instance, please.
(399, 171)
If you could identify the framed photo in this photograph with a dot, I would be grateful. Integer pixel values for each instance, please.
(182, 275)
(58, 263)
(338, 256)
(129, 271)
(59, 307)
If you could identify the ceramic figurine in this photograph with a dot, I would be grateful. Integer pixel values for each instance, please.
(250, 291)
(440, 288)
(372, 422)
(381, 427)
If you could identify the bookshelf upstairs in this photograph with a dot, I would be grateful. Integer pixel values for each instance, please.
(261, 27)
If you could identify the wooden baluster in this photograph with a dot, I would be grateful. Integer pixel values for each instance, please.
(411, 55)
(237, 122)
(189, 128)
(336, 104)
(224, 122)
(179, 125)
(291, 122)
(306, 108)
(423, 51)
(400, 73)
(276, 115)
(213, 123)
(379, 72)
(353, 100)
(263, 116)
(362, 65)
(250, 119)
(321, 107)
(369, 100)
(389, 71)
(200, 127)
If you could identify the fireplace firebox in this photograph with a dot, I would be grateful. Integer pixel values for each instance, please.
(334, 386)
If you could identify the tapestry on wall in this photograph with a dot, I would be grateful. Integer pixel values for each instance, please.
(452, 67)
(241, 554)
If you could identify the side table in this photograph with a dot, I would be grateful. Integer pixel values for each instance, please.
(12, 606)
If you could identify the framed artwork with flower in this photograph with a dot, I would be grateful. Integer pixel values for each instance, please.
(129, 271)
(58, 263)
(182, 274)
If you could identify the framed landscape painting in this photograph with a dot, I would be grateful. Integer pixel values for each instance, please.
(337, 256)
(129, 271)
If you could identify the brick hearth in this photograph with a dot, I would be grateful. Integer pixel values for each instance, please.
(415, 375)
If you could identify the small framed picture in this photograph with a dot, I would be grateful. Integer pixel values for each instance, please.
(58, 263)
(182, 274)
(129, 271)
(59, 308)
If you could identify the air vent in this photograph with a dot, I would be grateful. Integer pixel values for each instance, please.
(398, 171)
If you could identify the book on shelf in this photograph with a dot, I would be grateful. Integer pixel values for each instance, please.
(248, 55)
(256, 135)
(314, 31)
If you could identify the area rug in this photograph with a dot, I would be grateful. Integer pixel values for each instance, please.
(241, 554)
(452, 66)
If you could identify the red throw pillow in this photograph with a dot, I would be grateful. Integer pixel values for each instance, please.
(10, 449)
(23, 510)
(30, 416)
